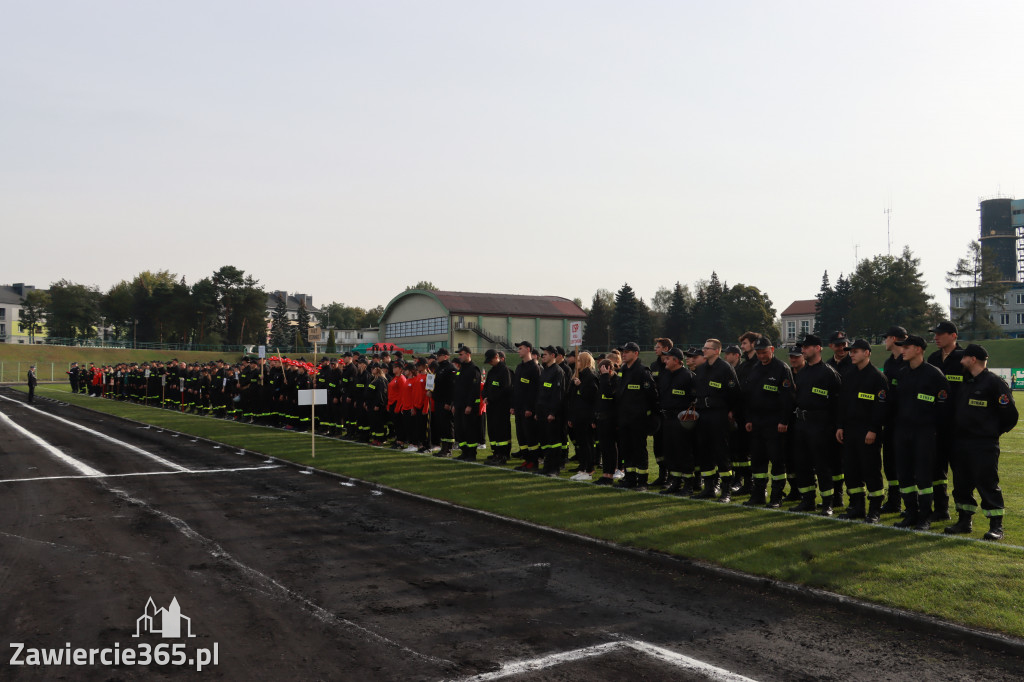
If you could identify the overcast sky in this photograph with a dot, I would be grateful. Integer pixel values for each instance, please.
(346, 150)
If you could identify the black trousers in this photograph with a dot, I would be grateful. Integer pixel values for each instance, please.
(499, 430)
(607, 444)
(915, 465)
(468, 430)
(713, 443)
(552, 442)
(766, 448)
(976, 467)
(677, 445)
(442, 430)
(862, 463)
(633, 446)
(583, 439)
(528, 435)
(889, 455)
(812, 442)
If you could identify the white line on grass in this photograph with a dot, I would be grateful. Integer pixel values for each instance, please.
(141, 473)
(678, 660)
(83, 468)
(111, 439)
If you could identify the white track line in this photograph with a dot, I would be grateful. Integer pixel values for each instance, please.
(129, 446)
(141, 473)
(86, 470)
(687, 663)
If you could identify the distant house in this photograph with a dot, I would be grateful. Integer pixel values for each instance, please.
(10, 313)
(293, 302)
(426, 320)
(798, 320)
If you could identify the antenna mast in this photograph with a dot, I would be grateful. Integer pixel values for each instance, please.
(888, 226)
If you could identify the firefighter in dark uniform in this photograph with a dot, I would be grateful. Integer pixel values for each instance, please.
(796, 363)
(769, 396)
(636, 402)
(859, 429)
(675, 397)
(984, 410)
(525, 384)
(73, 376)
(348, 388)
(661, 346)
(817, 402)
(890, 368)
(584, 398)
(443, 429)
(549, 411)
(947, 359)
(842, 364)
(920, 393)
(717, 391)
(498, 399)
(743, 479)
(466, 406)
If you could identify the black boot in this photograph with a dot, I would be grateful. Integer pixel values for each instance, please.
(910, 519)
(856, 508)
(924, 510)
(742, 483)
(757, 495)
(629, 480)
(826, 506)
(995, 529)
(641, 480)
(940, 504)
(687, 488)
(711, 489)
(963, 524)
(662, 476)
(806, 503)
(675, 484)
(778, 493)
(892, 502)
(726, 487)
(874, 510)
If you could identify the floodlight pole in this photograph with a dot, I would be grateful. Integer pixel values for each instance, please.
(312, 410)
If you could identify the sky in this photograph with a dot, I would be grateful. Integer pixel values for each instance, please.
(347, 150)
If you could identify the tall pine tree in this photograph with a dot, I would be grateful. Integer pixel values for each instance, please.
(628, 319)
(677, 318)
(279, 324)
(597, 331)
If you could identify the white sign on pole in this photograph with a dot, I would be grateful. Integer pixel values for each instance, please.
(576, 333)
(306, 397)
(430, 382)
(263, 352)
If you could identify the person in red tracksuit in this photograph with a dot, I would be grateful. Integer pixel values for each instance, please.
(396, 408)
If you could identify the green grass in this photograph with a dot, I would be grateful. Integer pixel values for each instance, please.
(974, 583)
(53, 361)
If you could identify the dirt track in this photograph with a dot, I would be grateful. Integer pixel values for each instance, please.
(301, 577)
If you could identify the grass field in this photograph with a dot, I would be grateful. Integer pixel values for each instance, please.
(954, 578)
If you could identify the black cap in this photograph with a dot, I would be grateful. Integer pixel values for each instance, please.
(897, 331)
(525, 343)
(441, 351)
(548, 349)
(861, 344)
(796, 350)
(465, 349)
(811, 340)
(763, 343)
(675, 353)
(838, 339)
(944, 327)
(913, 340)
(346, 354)
(692, 352)
(973, 350)
(735, 350)
(559, 350)
(632, 346)
(490, 354)
(571, 354)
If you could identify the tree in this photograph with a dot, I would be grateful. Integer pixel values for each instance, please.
(708, 312)
(371, 317)
(241, 305)
(331, 347)
(747, 309)
(832, 312)
(279, 324)
(73, 310)
(977, 283)
(888, 290)
(677, 316)
(597, 330)
(629, 320)
(33, 313)
(425, 285)
(299, 344)
(303, 320)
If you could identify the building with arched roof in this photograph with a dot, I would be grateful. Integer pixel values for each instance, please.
(425, 320)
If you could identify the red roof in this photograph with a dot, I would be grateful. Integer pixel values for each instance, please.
(809, 307)
(509, 304)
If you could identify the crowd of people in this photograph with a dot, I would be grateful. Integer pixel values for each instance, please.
(834, 437)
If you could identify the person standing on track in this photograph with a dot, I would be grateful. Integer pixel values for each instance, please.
(498, 400)
(947, 359)
(817, 402)
(769, 396)
(32, 381)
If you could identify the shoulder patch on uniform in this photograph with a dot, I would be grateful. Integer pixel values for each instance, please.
(785, 383)
(942, 394)
(1004, 399)
(881, 394)
(731, 383)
